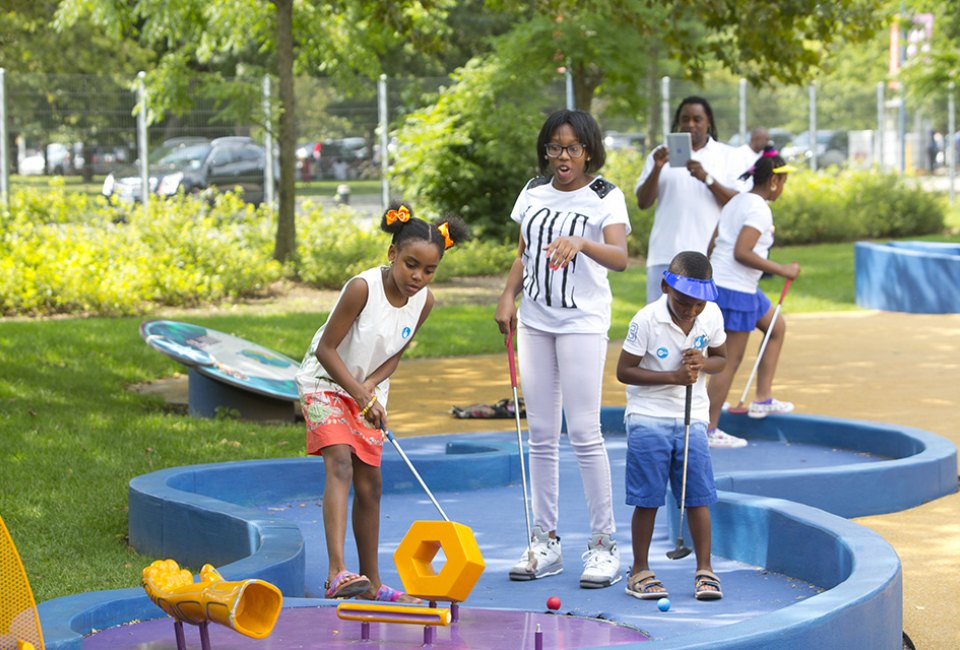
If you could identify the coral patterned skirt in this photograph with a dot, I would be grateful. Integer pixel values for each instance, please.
(333, 418)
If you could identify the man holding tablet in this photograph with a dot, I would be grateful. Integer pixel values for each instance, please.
(689, 193)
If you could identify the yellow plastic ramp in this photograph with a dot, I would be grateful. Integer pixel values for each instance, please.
(19, 622)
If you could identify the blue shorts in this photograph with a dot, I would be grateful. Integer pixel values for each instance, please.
(655, 455)
(741, 310)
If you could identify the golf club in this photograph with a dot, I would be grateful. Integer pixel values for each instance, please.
(741, 408)
(682, 551)
(523, 469)
(396, 445)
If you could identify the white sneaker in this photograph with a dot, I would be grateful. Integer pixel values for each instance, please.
(718, 439)
(772, 405)
(547, 558)
(601, 563)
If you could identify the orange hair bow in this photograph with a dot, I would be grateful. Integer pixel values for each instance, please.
(402, 214)
(444, 229)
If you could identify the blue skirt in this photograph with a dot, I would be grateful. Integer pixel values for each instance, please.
(740, 310)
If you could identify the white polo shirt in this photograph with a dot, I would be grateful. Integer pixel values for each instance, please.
(655, 338)
(747, 209)
(687, 212)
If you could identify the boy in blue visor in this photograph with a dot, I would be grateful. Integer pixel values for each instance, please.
(671, 343)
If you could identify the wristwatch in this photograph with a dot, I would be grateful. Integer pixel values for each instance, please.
(708, 179)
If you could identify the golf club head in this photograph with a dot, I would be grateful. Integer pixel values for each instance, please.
(679, 553)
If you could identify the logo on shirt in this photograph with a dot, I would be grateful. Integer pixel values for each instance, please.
(632, 333)
(662, 353)
(700, 342)
(405, 332)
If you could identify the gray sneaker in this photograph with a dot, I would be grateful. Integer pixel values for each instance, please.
(547, 558)
(601, 563)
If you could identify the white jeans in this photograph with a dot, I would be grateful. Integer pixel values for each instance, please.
(563, 374)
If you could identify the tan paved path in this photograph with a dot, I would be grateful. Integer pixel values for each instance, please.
(886, 367)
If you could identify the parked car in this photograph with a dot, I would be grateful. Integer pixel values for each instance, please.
(614, 140)
(342, 158)
(779, 137)
(832, 148)
(190, 165)
(31, 163)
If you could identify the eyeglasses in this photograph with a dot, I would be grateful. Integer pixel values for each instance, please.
(574, 150)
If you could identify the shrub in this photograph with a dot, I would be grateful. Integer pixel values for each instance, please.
(62, 253)
(852, 205)
(332, 245)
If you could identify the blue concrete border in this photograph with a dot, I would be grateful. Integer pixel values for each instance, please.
(922, 466)
(914, 277)
(177, 513)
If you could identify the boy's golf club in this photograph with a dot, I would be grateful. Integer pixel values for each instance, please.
(396, 445)
(741, 408)
(523, 470)
(682, 551)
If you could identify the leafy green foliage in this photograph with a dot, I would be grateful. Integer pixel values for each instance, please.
(470, 153)
(816, 208)
(63, 252)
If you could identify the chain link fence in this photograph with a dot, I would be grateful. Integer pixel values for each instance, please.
(85, 125)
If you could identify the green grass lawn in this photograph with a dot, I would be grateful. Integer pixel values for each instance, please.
(72, 436)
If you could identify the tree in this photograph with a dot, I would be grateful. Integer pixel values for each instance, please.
(611, 44)
(345, 40)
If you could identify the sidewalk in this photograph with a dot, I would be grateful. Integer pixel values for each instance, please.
(879, 366)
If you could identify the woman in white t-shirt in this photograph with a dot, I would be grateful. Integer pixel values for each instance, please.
(573, 228)
(740, 257)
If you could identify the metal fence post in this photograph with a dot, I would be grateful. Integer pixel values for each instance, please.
(665, 106)
(568, 79)
(267, 144)
(142, 143)
(952, 141)
(4, 161)
(813, 125)
(384, 141)
(880, 125)
(743, 112)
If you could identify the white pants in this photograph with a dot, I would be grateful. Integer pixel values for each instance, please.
(654, 277)
(563, 374)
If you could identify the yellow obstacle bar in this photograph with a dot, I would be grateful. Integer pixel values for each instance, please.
(410, 614)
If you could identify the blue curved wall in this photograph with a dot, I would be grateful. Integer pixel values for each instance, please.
(912, 277)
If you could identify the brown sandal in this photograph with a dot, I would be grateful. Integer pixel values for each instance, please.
(643, 586)
(707, 586)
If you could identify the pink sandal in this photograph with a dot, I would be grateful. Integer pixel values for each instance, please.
(387, 594)
(346, 584)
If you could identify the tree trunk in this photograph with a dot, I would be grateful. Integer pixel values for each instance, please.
(286, 244)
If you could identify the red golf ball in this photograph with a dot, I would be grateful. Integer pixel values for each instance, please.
(553, 603)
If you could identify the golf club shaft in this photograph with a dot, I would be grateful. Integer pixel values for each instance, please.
(763, 344)
(516, 415)
(688, 401)
(396, 445)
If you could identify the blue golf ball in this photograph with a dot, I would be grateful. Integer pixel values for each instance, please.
(663, 604)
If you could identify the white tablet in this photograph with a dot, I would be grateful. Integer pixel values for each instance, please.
(680, 147)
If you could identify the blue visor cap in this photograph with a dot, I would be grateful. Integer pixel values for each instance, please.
(699, 289)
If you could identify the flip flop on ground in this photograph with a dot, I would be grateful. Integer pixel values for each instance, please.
(707, 586)
(645, 586)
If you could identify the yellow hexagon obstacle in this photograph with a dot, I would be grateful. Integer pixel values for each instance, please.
(460, 572)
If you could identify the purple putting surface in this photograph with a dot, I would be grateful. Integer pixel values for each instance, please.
(319, 627)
